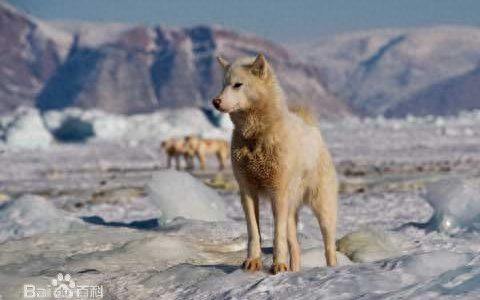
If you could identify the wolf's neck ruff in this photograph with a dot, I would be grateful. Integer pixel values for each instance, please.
(264, 117)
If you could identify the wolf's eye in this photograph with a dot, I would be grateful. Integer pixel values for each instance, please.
(237, 85)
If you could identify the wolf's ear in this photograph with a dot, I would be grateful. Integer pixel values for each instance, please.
(259, 66)
(223, 62)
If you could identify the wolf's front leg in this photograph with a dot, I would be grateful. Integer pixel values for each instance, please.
(250, 207)
(280, 250)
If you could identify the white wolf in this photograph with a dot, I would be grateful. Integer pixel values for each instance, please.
(279, 155)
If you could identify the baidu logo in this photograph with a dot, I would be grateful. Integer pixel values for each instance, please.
(63, 287)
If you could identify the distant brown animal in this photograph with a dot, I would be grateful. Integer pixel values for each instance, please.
(175, 149)
(280, 155)
(201, 148)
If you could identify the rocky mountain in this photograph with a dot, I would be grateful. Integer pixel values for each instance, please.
(30, 52)
(133, 69)
(445, 98)
(376, 71)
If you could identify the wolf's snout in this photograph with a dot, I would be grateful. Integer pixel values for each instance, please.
(216, 102)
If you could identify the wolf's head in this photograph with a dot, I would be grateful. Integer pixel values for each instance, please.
(166, 143)
(246, 84)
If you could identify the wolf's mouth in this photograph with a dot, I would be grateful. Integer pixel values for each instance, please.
(227, 111)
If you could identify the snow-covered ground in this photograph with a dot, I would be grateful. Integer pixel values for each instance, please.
(107, 213)
(194, 259)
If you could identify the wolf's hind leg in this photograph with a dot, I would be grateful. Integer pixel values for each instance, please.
(325, 208)
(293, 244)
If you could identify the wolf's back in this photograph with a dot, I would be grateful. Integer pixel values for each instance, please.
(303, 113)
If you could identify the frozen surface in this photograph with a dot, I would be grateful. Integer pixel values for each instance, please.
(352, 138)
(31, 215)
(25, 129)
(192, 199)
(155, 126)
(190, 259)
(97, 222)
(456, 204)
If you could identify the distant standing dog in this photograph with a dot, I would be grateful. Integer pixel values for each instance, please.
(175, 149)
(276, 154)
(201, 148)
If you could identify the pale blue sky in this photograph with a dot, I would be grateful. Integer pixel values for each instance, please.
(278, 20)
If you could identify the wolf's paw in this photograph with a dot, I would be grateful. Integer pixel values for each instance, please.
(278, 268)
(252, 264)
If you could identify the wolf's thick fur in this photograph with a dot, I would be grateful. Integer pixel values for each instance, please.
(278, 155)
(201, 148)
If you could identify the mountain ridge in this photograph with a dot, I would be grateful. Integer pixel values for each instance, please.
(375, 71)
(128, 68)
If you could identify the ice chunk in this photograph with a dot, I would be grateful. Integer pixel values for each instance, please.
(178, 194)
(456, 205)
(78, 125)
(154, 126)
(53, 119)
(368, 245)
(30, 215)
(110, 127)
(25, 129)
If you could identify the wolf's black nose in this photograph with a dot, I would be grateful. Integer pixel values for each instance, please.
(216, 102)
